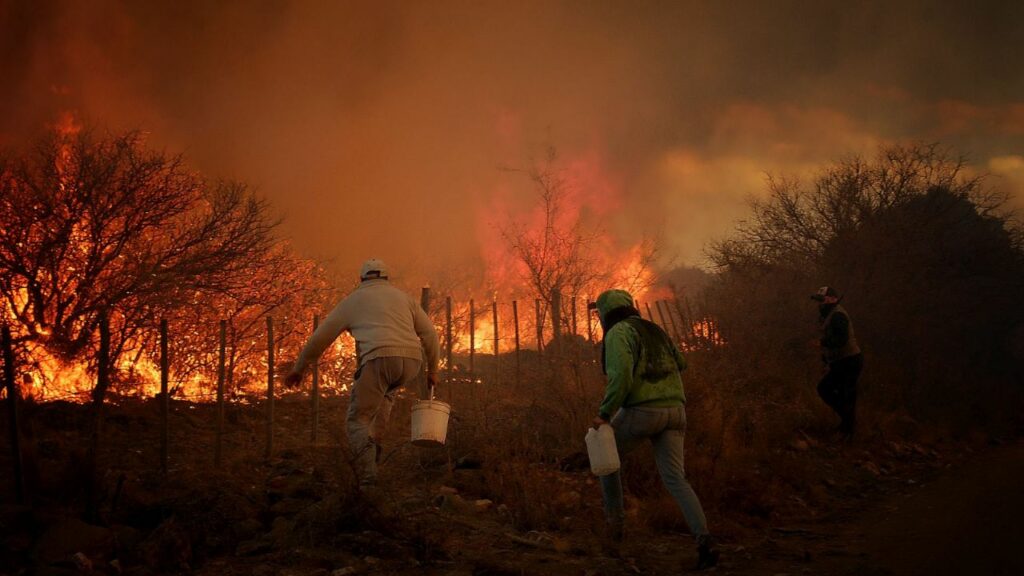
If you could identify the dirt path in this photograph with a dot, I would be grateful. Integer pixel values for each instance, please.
(969, 519)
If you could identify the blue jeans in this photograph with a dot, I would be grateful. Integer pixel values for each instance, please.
(665, 428)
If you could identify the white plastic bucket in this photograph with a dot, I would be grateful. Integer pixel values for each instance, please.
(604, 456)
(429, 422)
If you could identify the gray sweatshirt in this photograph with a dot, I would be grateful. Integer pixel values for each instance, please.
(384, 322)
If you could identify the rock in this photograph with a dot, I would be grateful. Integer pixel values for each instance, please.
(304, 572)
(482, 504)
(82, 562)
(168, 548)
(289, 506)
(470, 482)
(252, 547)
(302, 487)
(346, 571)
(871, 467)
(447, 490)
(67, 538)
(469, 463)
(248, 529)
(453, 503)
(128, 539)
(800, 445)
(567, 500)
(280, 534)
(575, 462)
(55, 571)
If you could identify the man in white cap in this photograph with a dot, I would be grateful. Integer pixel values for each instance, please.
(394, 336)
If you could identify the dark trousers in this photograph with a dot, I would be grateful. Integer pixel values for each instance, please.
(838, 388)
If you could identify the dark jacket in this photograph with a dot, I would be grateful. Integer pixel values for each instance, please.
(838, 340)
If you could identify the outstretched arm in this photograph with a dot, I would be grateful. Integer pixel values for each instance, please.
(333, 325)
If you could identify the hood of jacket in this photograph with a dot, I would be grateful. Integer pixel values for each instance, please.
(610, 300)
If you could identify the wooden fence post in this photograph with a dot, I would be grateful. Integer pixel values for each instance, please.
(515, 321)
(590, 324)
(540, 328)
(165, 397)
(556, 320)
(686, 328)
(672, 322)
(314, 400)
(494, 320)
(661, 315)
(448, 336)
(232, 354)
(574, 343)
(472, 338)
(270, 387)
(218, 446)
(425, 299)
(692, 321)
(12, 414)
(92, 512)
(573, 316)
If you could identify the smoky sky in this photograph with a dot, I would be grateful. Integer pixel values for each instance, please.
(386, 128)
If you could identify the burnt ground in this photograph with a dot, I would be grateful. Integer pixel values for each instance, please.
(880, 506)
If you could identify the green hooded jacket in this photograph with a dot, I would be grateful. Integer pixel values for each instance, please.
(642, 364)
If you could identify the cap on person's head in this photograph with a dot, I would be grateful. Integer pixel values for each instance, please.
(373, 268)
(825, 293)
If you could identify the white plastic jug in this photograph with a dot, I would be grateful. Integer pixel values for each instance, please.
(604, 456)
(430, 422)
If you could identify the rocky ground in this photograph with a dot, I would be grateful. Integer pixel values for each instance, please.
(868, 507)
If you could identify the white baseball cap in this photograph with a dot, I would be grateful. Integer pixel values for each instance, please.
(373, 268)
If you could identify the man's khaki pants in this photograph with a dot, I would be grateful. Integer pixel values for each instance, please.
(370, 407)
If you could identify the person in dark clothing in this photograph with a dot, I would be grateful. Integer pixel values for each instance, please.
(842, 357)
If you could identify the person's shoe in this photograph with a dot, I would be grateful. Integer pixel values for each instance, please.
(707, 555)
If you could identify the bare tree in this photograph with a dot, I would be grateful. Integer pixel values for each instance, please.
(556, 252)
(95, 226)
(795, 223)
(927, 256)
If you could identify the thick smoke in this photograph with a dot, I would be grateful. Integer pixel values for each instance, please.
(380, 128)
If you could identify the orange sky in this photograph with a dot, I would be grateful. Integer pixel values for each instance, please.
(381, 128)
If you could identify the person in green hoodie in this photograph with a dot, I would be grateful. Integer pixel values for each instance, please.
(644, 401)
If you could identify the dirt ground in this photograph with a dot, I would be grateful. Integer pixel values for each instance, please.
(879, 506)
(961, 518)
